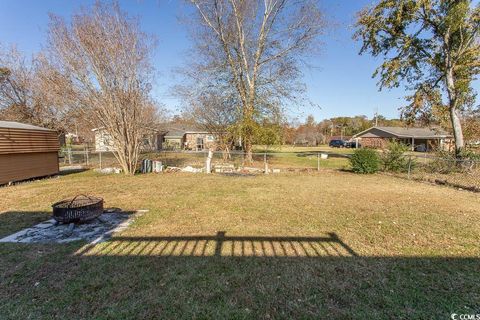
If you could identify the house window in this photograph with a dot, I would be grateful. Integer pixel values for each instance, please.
(210, 138)
(199, 143)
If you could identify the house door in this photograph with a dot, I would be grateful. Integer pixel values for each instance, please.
(199, 143)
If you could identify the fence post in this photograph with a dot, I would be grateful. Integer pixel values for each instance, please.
(208, 165)
(86, 155)
(318, 161)
(265, 162)
(69, 156)
(100, 158)
(409, 165)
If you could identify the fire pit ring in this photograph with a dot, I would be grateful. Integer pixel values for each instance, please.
(78, 209)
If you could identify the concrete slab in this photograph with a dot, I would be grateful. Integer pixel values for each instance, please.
(94, 231)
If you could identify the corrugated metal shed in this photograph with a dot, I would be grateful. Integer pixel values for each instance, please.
(27, 151)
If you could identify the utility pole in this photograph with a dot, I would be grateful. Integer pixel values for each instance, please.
(376, 117)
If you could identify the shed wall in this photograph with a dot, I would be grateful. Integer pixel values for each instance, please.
(21, 166)
(27, 141)
(26, 154)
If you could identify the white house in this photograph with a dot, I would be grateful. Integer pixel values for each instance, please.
(104, 142)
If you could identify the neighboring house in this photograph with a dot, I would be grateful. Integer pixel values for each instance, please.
(419, 139)
(188, 138)
(151, 141)
(27, 151)
(73, 138)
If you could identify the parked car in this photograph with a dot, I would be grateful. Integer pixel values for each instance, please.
(352, 144)
(337, 144)
(420, 148)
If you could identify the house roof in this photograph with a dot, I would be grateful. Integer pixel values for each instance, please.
(103, 128)
(174, 133)
(178, 131)
(402, 132)
(23, 126)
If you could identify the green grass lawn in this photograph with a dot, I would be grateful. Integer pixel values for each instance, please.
(324, 245)
(282, 157)
(291, 148)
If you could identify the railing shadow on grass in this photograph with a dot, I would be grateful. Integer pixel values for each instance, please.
(269, 276)
(223, 245)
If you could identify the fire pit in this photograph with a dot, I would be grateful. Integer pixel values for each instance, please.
(78, 209)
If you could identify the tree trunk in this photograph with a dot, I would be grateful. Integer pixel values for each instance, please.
(226, 153)
(454, 117)
(457, 131)
(248, 151)
(248, 131)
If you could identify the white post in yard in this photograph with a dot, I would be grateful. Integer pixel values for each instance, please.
(100, 158)
(69, 156)
(208, 164)
(318, 161)
(265, 162)
(409, 166)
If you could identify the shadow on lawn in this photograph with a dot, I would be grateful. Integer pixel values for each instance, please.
(222, 245)
(329, 153)
(13, 221)
(223, 276)
(67, 170)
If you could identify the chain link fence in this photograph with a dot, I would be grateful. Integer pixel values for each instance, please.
(234, 160)
(460, 173)
(419, 166)
(87, 157)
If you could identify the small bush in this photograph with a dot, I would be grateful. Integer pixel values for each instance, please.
(470, 155)
(443, 162)
(365, 161)
(446, 162)
(394, 159)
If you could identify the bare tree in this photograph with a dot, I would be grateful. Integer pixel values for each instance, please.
(217, 115)
(210, 103)
(255, 46)
(15, 85)
(99, 65)
(22, 96)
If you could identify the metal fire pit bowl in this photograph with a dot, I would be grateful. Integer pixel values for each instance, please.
(78, 209)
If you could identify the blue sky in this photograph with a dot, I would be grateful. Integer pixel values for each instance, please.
(340, 81)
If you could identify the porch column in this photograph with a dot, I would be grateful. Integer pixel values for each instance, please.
(413, 144)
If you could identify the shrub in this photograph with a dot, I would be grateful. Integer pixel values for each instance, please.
(470, 155)
(365, 161)
(446, 162)
(394, 159)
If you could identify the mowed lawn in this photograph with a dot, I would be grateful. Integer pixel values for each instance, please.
(324, 245)
(285, 158)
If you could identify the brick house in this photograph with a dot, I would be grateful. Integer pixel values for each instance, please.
(190, 138)
(419, 139)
